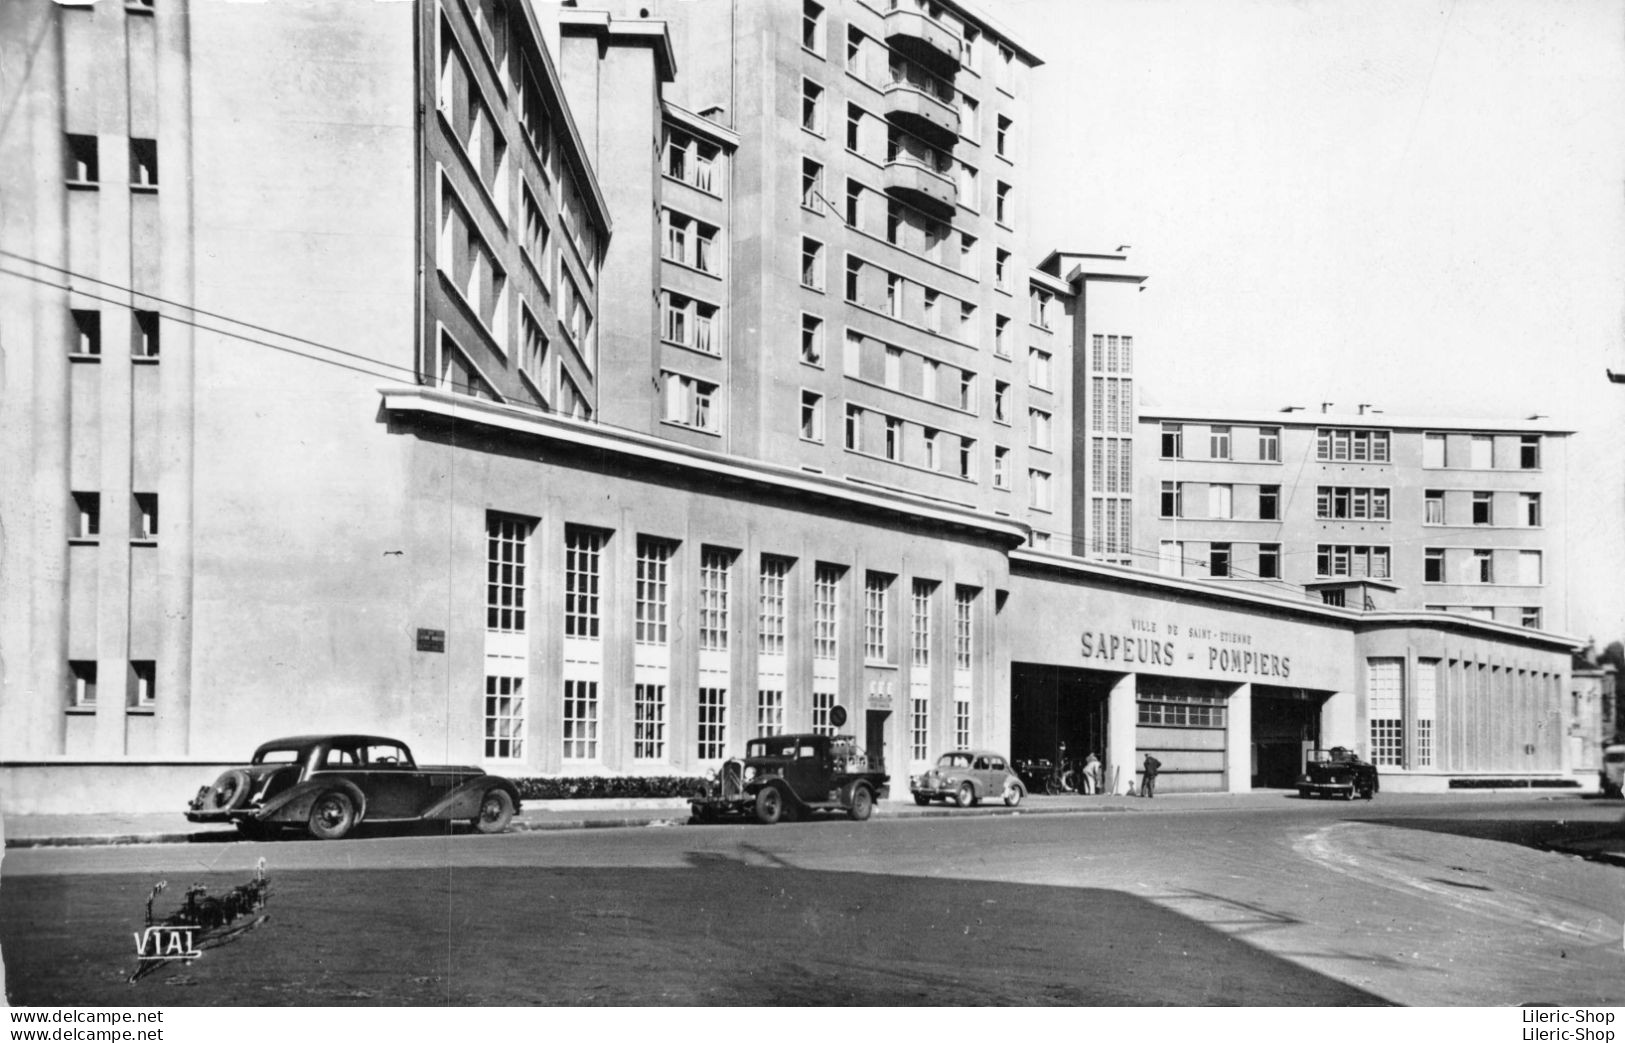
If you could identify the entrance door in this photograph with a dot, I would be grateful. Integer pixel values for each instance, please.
(1284, 720)
(874, 739)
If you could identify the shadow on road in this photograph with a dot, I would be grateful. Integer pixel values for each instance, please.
(726, 929)
(1542, 835)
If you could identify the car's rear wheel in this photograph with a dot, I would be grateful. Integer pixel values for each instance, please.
(769, 806)
(921, 799)
(230, 790)
(332, 816)
(1012, 794)
(496, 811)
(966, 795)
(863, 805)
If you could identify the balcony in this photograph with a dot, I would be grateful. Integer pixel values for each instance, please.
(922, 114)
(914, 35)
(920, 187)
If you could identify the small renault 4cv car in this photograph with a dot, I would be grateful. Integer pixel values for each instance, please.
(329, 784)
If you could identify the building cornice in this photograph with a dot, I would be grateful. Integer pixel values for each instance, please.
(1156, 584)
(647, 32)
(516, 420)
(1372, 421)
(694, 123)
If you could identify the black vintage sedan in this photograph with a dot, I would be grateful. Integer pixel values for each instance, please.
(329, 784)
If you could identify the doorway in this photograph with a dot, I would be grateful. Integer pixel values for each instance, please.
(874, 738)
(1284, 721)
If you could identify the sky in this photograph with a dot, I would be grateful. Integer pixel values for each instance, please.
(1412, 204)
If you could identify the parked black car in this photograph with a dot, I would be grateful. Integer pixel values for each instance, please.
(329, 784)
(783, 776)
(1338, 772)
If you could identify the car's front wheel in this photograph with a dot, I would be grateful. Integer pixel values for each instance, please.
(966, 795)
(863, 805)
(496, 811)
(921, 799)
(769, 806)
(332, 816)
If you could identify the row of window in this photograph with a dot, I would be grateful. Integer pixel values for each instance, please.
(691, 160)
(1525, 508)
(84, 169)
(1220, 444)
(140, 689)
(1221, 561)
(85, 516)
(1472, 565)
(876, 214)
(85, 336)
(1355, 445)
(1220, 500)
(1478, 452)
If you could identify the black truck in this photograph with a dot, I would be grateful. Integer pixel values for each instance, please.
(783, 776)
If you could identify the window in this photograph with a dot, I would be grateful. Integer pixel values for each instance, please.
(1343, 444)
(812, 26)
(1220, 501)
(144, 520)
(143, 684)
(1002, 207)
(654, 560)
(1001, 268)
(82, 684)
(86, 336)
(812, 340)
(1343, 502)
(690, 160)
(1001, 395)
(85, 516)
(1269, 444)
(1001, 336)
(812, 107)
(1433, 507)
(919, 731)
(1038, 367)
(715, 565)
(469, 266)
(854, 127)
(1434, 451)
(1173, 494)
(964, 600)
(1483, 508)
(812, 263)
(854, 51)
(1355, 562)
(713, 723)
(1269, 503)
(1269, 561)
(689, 402)
(1041, 428)
(1385, 699)
(928, 437)
(970, 117)
(537, 237)
(1530, 509)
(933, 311)
(535, 121)
(1483, 566)
(961, 723)
(649, 722)
(769, 712)
(770, 605)
(967, 255)
(1529, 452)
(854, 428)
(967, 391)
(1218, 560)
(826, 618)
(823, 709)
(1529, 568)
(1173, 441)
(894, 296)
(504, 717)
(1039, 483)
(1529, 616)
(812, 184)
(812, 416)
(1481, 452)
(580, 720)
(143, 163)
(1424, 710)
(583, 549)
(1002, 136)
(894, 439)
(1433, 565)
(144, 334)
(689, 322)
(920, 622)
(854, 272)
(928, 378)
(876, 597)
(1161, 703)
(1001, 467)
(1218, 442)
(690, 242)
(83, 168)
(967, 458)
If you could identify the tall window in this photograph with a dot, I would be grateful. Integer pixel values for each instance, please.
(1529, 504)
(812, 340)
(961, 723)
(1269, 561)
(919, 730)
(1433, 565)
(144, 683)
(714, 568)
(770, 605)
(920, 622)
(1269, 444)
(812, 416)
(876, 595)
(1173, 441)
(1220, 501)
(1002, 209)
(583, 549)
(1218, 560)
(812, 263)
(812, 182)
(1529, 452)
(1039, 421)
(1481, 452)
(826, 623)
(1483, 508)
(649, 722)
(964, 599)
(1269, 502)
(769, 712)
(1385, 691)
(580, 720)
(1433, 451)
(1433, 507)
(812, 107)
(1219, 442)
(1483, 566)
(713, 723)
(812, 26)
(505, 539)
(1173, 495)
(822, 709)
(504, 717)
(1423, 713)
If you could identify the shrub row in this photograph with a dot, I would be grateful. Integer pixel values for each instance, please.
(587, 786)
(1472, 783)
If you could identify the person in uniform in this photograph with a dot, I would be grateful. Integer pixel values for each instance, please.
(1148, 787)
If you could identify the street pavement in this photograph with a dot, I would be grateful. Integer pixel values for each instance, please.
(1261, 899)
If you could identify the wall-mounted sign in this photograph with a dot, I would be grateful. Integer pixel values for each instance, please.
(1150, 643)
(837, 715)
(431, 640)
(880, 695)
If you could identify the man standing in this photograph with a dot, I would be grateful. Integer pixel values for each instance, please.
(1148, 788)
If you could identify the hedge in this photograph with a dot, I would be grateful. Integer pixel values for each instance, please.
(589, 786)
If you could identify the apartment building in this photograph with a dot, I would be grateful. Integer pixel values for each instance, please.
(581, 392)
(1447, 515)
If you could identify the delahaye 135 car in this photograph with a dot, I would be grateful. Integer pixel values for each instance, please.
(329, 784)
(966, 776)
(1338, 772)
(783, 776)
